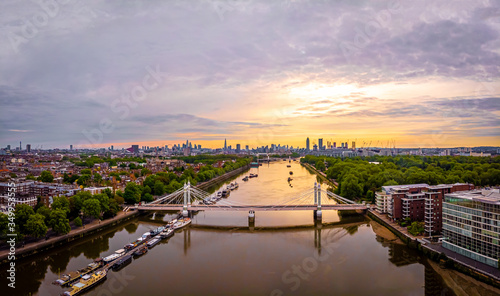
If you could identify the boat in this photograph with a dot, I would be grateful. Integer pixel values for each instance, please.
(245, 179)
(114, 256)
(67, 278)
(253, 175)
(157, 231)
(182, 222)
(122, 262)
(141, 250)
(288, 166)
(167, 233)
(219, 193)
(289, 179)
(235, 185)
(153, 242)
(146, 235)
(230, 187)
(225, 192)
(171, 222)
(291, 173)
(87, 282)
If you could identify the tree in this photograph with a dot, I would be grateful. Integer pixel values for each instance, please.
(320, 165)
(159, 188)
(61, 202)
(35, 225)
(350, 188)
(103, 201)
(370, 196)
(59, 222)
(108, 192)
(86, 172)
(78, 221)
(4, 223)
(416, 228)
(132, 193)
(83, 180)
(114, 207)
(46, 176)
(91, 208)
(22, 214)
(45, 212)
(147, 197)
(97, 178)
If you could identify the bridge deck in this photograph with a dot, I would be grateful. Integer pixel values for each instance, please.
(164, 207)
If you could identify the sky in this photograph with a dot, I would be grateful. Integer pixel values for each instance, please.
(381, 73)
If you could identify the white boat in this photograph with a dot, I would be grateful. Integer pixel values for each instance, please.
(167, 233)
(182, 223)
(153, 242)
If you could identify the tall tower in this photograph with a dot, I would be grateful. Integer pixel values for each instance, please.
(225, 145)
(20, 146)
(307, 144)
(320, 143)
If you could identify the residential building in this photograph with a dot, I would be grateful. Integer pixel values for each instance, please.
(417, 202)
(471, 225)
(97, 190)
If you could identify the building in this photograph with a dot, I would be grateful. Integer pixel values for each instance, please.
(320, 144)
(353, 145)
(238, 148)
(28, 148)
(308, 143)
(471, 225)
(22, 194)
(225, 145)
(97, 190)
(70, 147)
(417, 202)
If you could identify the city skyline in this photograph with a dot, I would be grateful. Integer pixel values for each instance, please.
(377, 71)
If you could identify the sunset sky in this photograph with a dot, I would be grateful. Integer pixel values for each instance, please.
(100, 73)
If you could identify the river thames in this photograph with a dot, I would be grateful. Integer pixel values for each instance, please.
(349, 256)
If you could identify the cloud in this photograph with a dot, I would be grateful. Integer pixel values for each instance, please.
(230, 72)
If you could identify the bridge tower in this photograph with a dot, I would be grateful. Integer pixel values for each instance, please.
(185, 212)
(315, 194)
(318, 211)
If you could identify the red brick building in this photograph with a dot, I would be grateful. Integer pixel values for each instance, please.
(419, 202)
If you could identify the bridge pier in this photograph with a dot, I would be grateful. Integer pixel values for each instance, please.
(318, 214)
(251, 219)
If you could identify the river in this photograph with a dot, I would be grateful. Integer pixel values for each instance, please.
(347, 257)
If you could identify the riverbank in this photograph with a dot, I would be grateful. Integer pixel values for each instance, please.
(477, 270)
(78, 233)
(321, 175)
(96, 226)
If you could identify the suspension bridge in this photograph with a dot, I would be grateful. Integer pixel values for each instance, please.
(190, 198)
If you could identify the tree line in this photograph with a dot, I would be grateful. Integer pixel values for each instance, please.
(361, 177)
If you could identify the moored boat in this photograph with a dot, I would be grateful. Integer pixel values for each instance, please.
(182, 223)
(153, 242)
(245, 179)
(88, 281)
(141, 250)
(167, 233)
(122, 262)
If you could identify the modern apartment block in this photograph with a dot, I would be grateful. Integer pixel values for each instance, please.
(418, 202)
(471, 225)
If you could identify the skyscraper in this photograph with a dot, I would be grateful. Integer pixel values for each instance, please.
(320, 143)
(225, 145)
(70, 147)
(353, 145)
(28, 147)
(307, 144)
(238, 148)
